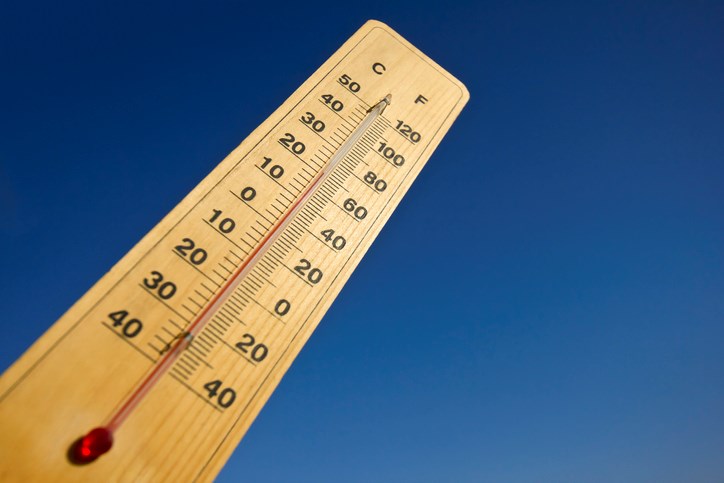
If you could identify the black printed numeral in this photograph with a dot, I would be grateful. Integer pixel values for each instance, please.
(305, 269)
(407, 131)
(155, 282)
(347, 81)
(129, 328)
(377, 184)
(333, 103)
(338, 242)
(390, 154)
(226, 225)
(248, 345)
(248, 193)
(310, 120)
(358, 211)
(188, 249)
(282, 307)
(274, 170)
(289, 141)
(225, 397)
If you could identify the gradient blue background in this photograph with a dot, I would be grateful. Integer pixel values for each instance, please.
(545, 305)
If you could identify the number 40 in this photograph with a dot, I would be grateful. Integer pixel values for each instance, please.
(225, 397)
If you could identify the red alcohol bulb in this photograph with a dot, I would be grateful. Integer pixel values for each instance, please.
(88, 448)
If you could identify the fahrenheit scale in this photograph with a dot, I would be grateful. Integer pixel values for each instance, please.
(158, 370)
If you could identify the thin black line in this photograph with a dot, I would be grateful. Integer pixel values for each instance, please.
(237, 306)
(273, 179)
(161, 339)
(282, 241)
(199, 395)
(336, 184)
(329, 152)
(322, 159)
(216, 331)
(327, 106)
(204, 298)
(354, 112)
(242, 239)
(209, 341)
(199, 357)
(366, 184)
(187, 362)
(231, 252)
(271, 205)
(341, 139)
(346, 212)
(362, 111)
(387, 160)
(224, 268)
(189, 309)
(383, 118)
(353, 93)
(314, 214)
(297, 275)
(186, 357)
(227, 238)
(200, 345)
(310, 176)
(191, 264)
(347, 132)
(296, 155)
(155, 348)
(145, 289)
(264, 279)
(322, 241)
(252, 239)
(404, 137)
(178, 366)
(353, 115)
(175, 370)
(226, 319)
(207, 288)
(125, 339)
(295, 180)
(253, 299)
(191, 299)
(218, 274)
(317, 133)
(351, 126)
(254, 209)
(261, 235)
(175, 324)
(229, 307)
(238, 352)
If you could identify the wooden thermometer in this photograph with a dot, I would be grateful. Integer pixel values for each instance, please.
(157, 372)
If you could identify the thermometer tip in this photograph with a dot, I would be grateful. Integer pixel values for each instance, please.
(380, 106)
(94, 444)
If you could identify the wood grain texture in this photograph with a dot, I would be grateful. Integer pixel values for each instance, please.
(83, 368)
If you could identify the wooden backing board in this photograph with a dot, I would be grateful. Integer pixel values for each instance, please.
(84, 367)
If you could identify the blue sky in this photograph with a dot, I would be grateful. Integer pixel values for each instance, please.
(564, 325)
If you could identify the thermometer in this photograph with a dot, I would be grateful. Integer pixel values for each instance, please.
(157, 372)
